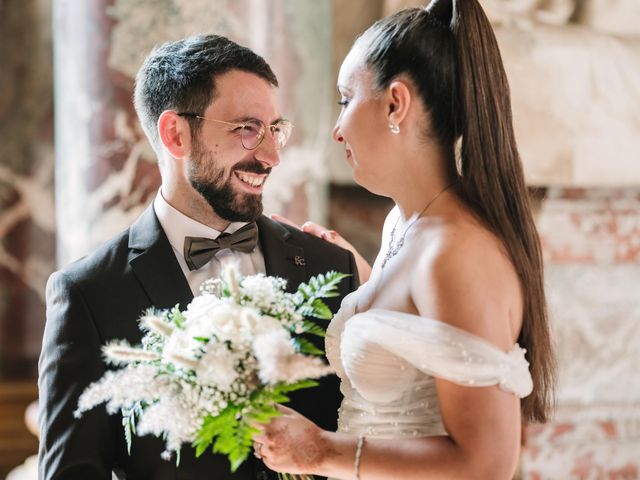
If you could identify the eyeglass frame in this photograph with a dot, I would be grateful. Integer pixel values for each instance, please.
(243, 126)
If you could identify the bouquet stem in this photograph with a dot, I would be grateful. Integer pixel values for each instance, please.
(288, 476)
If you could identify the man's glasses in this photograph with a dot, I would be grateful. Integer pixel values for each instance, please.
(252, 131)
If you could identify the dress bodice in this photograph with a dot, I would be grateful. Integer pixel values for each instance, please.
(387, 362)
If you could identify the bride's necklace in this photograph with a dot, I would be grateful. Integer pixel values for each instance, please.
(394, 248)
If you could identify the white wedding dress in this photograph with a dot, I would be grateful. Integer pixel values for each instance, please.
(387, 362)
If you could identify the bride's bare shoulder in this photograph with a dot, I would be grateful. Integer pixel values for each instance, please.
(471, 281)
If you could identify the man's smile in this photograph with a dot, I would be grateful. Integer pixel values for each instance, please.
(252, 181)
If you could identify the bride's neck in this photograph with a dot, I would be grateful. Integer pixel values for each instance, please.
(422, 176)
(430, 194)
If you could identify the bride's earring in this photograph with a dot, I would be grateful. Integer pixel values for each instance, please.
(394, 128)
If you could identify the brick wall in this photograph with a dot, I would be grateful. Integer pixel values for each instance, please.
(591, 242)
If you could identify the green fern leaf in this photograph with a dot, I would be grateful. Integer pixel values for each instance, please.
(305, 346)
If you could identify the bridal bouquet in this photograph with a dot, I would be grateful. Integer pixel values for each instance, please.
(207, 375)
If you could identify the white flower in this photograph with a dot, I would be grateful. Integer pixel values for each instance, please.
(181, 348)
(208, 316)
(212, 286)
(254, 324)
(169, 416)
(217, 367)
(226, 321)
(279, 362)
(120, 352)
(124, 387)
(154, 323)
(199, 315)
(230, 274)
(262, 289)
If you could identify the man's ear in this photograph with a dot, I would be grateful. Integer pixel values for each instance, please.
(398, 100)
(175, 134)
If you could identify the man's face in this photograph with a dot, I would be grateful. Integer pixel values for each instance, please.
(228, 176)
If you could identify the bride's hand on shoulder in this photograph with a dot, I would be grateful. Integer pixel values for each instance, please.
(331, 236)
(290, 443)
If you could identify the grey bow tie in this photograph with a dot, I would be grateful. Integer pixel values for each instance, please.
(198, 251)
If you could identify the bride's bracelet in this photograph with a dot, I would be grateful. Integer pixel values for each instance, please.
(358, 455)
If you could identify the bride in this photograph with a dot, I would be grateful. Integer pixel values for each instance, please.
(444, 353)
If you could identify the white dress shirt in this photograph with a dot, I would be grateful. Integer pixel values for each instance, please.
(177, 226)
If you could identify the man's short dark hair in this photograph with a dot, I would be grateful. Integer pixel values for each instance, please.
(181, 75)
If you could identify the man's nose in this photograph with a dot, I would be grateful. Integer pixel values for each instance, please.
(267, 153)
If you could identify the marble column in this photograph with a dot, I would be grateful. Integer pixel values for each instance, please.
(106, 171)
(26, 182)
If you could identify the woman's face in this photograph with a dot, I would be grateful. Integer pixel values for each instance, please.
(363, 123)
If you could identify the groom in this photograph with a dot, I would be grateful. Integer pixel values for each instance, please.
(208, 108)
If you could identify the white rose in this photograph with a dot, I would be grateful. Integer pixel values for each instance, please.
(198, 315)
(211, 317)
(226, 320)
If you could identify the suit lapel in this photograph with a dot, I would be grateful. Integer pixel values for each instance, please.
(155, 265)
(281, 258)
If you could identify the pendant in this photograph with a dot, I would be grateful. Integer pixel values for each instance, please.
(392, 251)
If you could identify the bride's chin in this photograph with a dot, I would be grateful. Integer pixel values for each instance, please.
(370, 186)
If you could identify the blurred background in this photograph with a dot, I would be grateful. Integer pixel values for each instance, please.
(73, 176)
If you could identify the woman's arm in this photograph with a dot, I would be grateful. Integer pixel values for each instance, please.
(293, 444)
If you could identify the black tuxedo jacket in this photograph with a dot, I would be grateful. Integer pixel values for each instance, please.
(99, 298)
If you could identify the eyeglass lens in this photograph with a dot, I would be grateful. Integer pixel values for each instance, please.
(253, 133)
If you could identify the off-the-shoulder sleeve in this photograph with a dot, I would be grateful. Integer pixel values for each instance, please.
(441, 350)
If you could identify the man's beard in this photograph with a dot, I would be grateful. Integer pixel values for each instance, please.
(225, 200)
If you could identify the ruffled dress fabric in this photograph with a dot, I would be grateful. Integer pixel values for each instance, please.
(388, 361)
